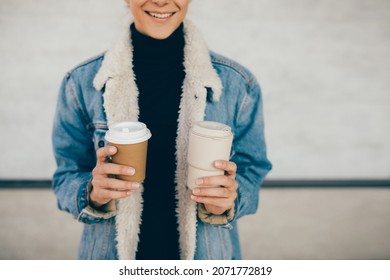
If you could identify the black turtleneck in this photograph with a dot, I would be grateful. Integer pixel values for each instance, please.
(159, 73)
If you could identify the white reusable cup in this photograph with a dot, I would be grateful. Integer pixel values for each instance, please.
(208, 142)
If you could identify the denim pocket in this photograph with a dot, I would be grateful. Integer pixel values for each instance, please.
(98, 135)
(226, 243)
(98, 241)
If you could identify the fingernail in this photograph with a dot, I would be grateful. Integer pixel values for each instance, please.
(199, 181)
(128, 193)
(136, 185)
(131, 171)
(192, 197)
(196, 191)
(218, 163)
(112, 149)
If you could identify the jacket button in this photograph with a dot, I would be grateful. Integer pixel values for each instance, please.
(101, 144)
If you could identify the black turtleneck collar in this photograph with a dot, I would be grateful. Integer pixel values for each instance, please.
(148, 48)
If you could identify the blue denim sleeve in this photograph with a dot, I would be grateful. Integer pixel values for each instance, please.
(75, 156)
(250, 153)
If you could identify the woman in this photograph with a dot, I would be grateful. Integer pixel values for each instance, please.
(160, 72)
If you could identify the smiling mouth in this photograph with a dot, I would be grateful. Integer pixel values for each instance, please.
(160, 15)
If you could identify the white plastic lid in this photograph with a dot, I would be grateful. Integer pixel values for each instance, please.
(212, 129)
(127, 133)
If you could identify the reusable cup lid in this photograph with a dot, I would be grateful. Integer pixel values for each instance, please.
(127, 133)
(212, 129)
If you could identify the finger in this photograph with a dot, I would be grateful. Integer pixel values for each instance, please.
(119, 185)
(116, 169)
(112, 194)
(218, 202)
(221, 180)
(104, 152)
(229, 166)
(220, 192)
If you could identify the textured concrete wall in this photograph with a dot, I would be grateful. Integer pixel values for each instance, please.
(323, 66)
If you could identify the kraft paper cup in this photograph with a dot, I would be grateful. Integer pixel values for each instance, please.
(208, 141)
(131, 141)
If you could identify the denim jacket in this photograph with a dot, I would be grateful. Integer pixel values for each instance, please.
(101, 91)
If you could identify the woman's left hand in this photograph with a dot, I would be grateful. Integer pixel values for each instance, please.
(218, 200)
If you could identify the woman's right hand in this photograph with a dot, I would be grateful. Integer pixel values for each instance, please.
(104, 187)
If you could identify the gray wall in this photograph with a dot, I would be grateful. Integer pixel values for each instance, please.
(323, 66)
(291, 224)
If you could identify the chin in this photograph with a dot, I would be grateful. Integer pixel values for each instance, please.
(160, 36)
(161, 33)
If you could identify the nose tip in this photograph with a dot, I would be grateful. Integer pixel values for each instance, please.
(160, 2)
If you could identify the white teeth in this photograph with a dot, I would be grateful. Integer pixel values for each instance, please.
(161, 15)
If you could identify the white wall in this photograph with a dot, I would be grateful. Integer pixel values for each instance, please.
(323, 66)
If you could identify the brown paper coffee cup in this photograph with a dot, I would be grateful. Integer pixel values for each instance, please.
(131, 141)
(133, 155)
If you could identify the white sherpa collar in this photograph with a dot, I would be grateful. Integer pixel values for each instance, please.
(116, 76)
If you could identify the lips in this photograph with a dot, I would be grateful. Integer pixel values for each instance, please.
(160, 15)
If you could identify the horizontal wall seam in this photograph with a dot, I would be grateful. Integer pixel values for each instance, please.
(271, 183)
